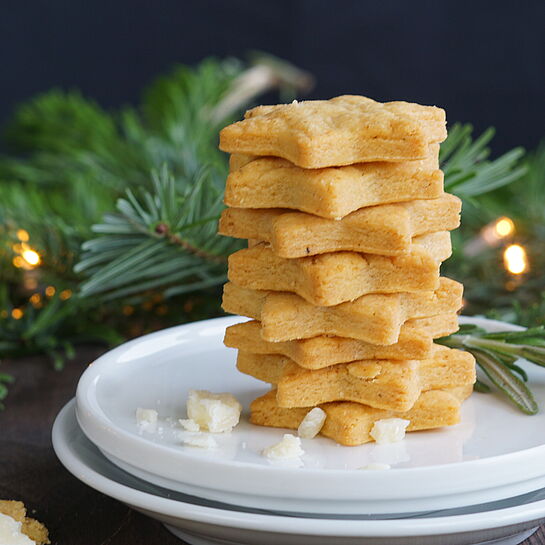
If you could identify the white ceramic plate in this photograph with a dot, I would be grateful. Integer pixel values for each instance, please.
(201, 522)
(496, 452)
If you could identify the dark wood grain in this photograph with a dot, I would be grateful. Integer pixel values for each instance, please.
(29, 471)
(538, 538)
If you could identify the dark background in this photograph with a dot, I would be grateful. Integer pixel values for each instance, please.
(484, 61)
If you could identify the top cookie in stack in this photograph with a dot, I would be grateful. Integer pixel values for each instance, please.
(342, 204)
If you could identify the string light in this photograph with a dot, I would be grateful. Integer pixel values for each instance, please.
(27, 257)
(18, 262)
(50, 291)
(504, 227)
(498, 230)
(31, 257)
(17, 313)
(35, 299)
(65, 294)
(515, 259)
(491, 235)
(22, 235)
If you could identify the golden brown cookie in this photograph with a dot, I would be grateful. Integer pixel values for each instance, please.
(384, 384)
(415, 342)
(35, 530)
(330, 279)
(374, 318)
(341, 131)
(389, 230)
(269, 182)
(350, 423)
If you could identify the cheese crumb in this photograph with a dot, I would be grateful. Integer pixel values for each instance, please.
(146, 419)
(188, 424)
(312, 423)
(376, 466)
(10, 532)
(216, 413)
(287, 449)
(201, 441)
(389, 430)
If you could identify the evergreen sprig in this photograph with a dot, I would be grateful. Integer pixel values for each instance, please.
(122, 206)
(499, 354)
(164, 240)
(468, 171)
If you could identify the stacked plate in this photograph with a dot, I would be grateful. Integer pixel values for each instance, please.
(481, 481)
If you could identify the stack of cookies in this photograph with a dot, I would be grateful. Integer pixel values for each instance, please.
(343, 207)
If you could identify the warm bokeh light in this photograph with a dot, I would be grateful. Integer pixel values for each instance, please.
(27, 257)
(65, 294)
(50, 291)
(504, 227)
(16, 313)
(22, 235)
(498, 230)
(31, 257)
(18, 262)
(515, 259)
(35, 299)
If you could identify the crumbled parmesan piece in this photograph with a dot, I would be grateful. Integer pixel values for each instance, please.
(376, 466)
(188, 424)
(389, 430)
(287, 449)
(216, 413)
(146, 419)
(10, 532)
(201, 441)
(312, 423)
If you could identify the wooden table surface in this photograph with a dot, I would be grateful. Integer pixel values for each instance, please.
(29, 471)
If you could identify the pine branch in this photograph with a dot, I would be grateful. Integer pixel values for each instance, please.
(161, 239)
(468, 172)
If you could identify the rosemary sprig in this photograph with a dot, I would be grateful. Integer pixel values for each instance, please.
(498, 355)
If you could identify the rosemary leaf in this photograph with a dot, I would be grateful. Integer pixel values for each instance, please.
(508, 383)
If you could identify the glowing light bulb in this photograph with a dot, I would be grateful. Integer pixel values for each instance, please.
(31, 257)
(515, 259)
(65, 294)
(504, 227)
(22, 235)
(16, 313)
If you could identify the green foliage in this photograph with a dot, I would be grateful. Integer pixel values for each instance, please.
(498, 354)
(468, 171)
(164, 240)
(489, 288)
(122, 207)
(69, 162)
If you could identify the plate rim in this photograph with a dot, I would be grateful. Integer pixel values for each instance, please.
(454, 524)
(87, 415)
